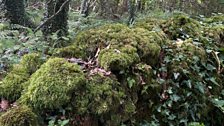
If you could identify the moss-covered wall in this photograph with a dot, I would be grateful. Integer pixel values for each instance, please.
(114, 74)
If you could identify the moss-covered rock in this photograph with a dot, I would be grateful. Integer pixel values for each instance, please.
(13, 84)
(100, 95)
(216, 33)
(117, 37)
(215, 19)
(184, 54)
(149, 44)
(150, 24)
(19, 116)
(118, 59)
(32, 62)
(90, 40)
(70, 51)
(105, 98)
(51, 86)
(181, 25)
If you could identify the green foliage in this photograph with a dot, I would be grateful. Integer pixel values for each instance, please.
(15, 43)
(181, 26)
(118, 38)
(53, 122)
(101, 95)
(118, 58)
(13, 84)
(51, 86)
(195, 124)
(19, 116)
(165, 70)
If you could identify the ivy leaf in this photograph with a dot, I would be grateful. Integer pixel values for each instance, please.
(200, 87)
(188, 83)
(219, 103)
(176, 75)
(212, 79)
(64, 122)
(175, 97)
(210, 67)
(131, 82)
(169, 91)
(171, 117)
(222, 92)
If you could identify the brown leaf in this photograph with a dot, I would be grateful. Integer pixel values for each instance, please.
(4, 104)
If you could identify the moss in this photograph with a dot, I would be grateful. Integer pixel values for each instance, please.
(13, 84)
(51, 86)
(195, 124)
(215, 19)
(3, 26)
(185, 54)
(148, 45)
(19, 116)
(90, 40)
(149, 24)
(181, 26)
(70, 51)
(144, 73)
(101, 37)
(216, 33)
(117, 37)
(102, 95)
(32, 62)
(118, 59)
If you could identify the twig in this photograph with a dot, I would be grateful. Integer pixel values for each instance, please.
(218, 61)
(50, 18)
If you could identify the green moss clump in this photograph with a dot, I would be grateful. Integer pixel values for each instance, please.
(102, 95)
(216, 33)
(118, 59)
(90, 40)
(185, 53)
(70, 51)
(3, 26)
(115, 34)
(145, 73)
(215, 19)
(13, 84)
(117, 37)
(19, 116)
(193, 50)
(195, 124)
(51, 86)
(149, 45)
(31, 62)
(149, 23)
(181, 26)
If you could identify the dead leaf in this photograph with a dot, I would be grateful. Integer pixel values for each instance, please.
(4, 104)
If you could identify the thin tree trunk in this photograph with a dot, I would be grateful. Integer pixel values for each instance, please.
(131, 11)
(15, 12)
(84, 8)
(59, 23)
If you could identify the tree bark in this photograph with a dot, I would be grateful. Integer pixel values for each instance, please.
(15, 12)
(131, 11)
(59, 22)
(84, 8)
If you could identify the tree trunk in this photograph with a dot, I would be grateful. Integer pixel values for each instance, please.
(131, 11)
(59, 23)
(84, 8)
(15, 12)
